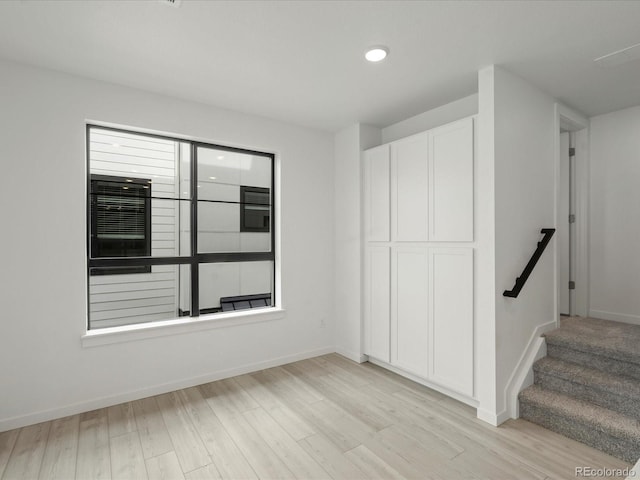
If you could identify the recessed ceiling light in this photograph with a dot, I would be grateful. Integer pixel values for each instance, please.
(377, 53)
(220, 157)
(212, 178)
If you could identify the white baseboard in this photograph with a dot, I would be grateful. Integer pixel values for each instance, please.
(522, 375)
(492, 418)
(85, 406)
(356, 357)
(616, 317)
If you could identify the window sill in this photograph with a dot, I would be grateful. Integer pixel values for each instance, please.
(143, 331)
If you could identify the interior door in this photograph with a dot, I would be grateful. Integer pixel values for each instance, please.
(564, 205)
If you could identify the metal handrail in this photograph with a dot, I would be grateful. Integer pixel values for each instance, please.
(522, 279)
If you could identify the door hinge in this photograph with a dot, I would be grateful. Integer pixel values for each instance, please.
(572, 151)
(572, 285)
(572, 218)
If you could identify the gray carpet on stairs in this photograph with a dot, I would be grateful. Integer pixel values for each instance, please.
(588, 386)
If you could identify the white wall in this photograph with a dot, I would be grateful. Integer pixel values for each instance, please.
(614, 262)
(461, 108)
(484, 267)
(524, 203)
(348, 144)
(44, 370)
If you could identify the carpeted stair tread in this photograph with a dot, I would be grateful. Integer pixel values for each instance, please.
(618, 384)
(606, 338)
(599, 418)
(598, 427)
(615, 392)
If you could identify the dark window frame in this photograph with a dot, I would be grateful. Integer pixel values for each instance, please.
(141, 185)
(196, 258)
(245, 208)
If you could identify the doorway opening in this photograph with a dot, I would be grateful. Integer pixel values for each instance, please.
(571, 213)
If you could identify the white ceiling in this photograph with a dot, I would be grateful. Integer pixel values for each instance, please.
(302, 61)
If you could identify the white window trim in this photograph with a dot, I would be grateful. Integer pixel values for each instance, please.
(144, 331)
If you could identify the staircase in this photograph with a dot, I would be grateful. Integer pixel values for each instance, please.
(588, 386)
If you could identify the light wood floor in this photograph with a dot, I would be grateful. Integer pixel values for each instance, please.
(321, 418)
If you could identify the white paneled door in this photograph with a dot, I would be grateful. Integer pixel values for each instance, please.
(451, 318)
(377, 308)
(376, 194)
(451, 182)
(409, 301)
(409, 187)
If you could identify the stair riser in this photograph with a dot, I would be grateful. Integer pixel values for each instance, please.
(625, 449)
(626, 405)
(605, 364)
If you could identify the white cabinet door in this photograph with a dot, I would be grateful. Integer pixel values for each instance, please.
(376, 194)
(377, 288)
(451, 318)
(409, 300)
(451, 182)
(409, 187)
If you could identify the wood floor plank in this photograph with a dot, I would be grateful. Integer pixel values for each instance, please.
(260, 393)
(227, 458)
(359, 370)
(127, 461)
(187, 444)
(60, 455)
(210, 472)
(292, 423)
(339, 426)
(285, 416)
(319, 418)
(400, 454)
(301, 464)
(349, 397)
(337, 465)
(7, 442)
(259, 455)
(290, 385)
(228, 394)
(94, 451)
(26, 457)
(121, 419)
(372, 465)
(153, 432)
(333, 368)
(164, 467)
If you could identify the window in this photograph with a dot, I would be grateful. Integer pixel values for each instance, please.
(176, 228)
(120, 221)
(254, 209)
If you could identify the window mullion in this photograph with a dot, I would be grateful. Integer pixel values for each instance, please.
(195, 268)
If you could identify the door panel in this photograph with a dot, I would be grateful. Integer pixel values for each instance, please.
(410, 188)
(376, 194)
(410, 301)
(451, 182)
(377, 308)
(451, 318)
